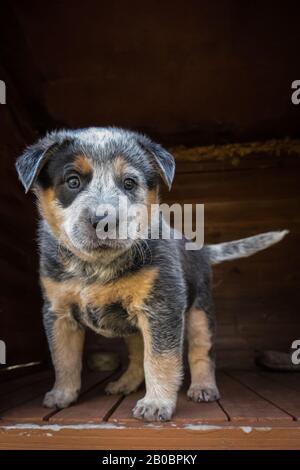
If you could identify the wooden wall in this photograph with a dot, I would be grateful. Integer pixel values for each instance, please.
(20, 318)
(192, 73)
(198, 71)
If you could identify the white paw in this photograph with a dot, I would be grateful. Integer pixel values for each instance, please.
(198, 392)
(60, 398)
(154, 409)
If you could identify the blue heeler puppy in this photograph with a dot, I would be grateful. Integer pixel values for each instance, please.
(152, 292)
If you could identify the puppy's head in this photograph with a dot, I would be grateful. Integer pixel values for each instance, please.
(73, 173)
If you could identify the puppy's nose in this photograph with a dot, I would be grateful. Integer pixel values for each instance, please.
(95, 219)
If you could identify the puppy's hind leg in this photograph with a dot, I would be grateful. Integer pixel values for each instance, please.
(199, 333)
(134, 375)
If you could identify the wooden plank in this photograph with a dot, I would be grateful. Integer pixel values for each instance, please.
(280, 394)
(227, 358)
(244, 405)
(191, 162)
(24, 395)
(8, 374)
(12, 385)
(289, 379)
(214, 437)
(269, 211)
(92, 406)
(231, 186)
(186, 411)
(33, 411)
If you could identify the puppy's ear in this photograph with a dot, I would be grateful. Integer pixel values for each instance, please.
(163, 160)
(31, 162)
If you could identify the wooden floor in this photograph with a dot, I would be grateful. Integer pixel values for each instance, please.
(257, 410)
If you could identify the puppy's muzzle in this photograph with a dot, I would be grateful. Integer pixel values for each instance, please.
(95, 219)
(106, 221)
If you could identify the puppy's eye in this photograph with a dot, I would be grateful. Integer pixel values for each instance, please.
(129, 184)
(73, 182)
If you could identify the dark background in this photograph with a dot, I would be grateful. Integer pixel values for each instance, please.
(188, 73)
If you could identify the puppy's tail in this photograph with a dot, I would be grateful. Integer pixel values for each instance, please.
(243, 248)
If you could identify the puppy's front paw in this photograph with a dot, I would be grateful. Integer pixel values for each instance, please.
(153, 410)
(199, 393)
(60, 398)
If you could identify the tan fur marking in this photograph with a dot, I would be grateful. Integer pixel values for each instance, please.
(50, 209)
(119, 165)
(135, 347)
(67, 350)
(67, 346)
(67, 340)
(130, 290)
(134, 374)
(62, 294)
(83, 165)
(53, 213)
(200, 342)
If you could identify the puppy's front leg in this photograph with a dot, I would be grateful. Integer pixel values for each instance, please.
(65, 338)
(162, 366)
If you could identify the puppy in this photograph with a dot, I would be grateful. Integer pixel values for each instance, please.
(149, 291)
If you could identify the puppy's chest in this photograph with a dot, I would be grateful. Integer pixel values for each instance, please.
(110, 320)
(111, 309)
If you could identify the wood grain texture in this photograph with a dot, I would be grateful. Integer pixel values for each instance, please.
(198, 74)
(254, 413)
(277, 393)
(10, 386)
(23, 395)
(290, 378)
(244, 405)
(151, 438)
(33, 411)
(90, 408)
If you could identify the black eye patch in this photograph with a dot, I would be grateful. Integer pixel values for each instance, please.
(68, 174)
(72, 184)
